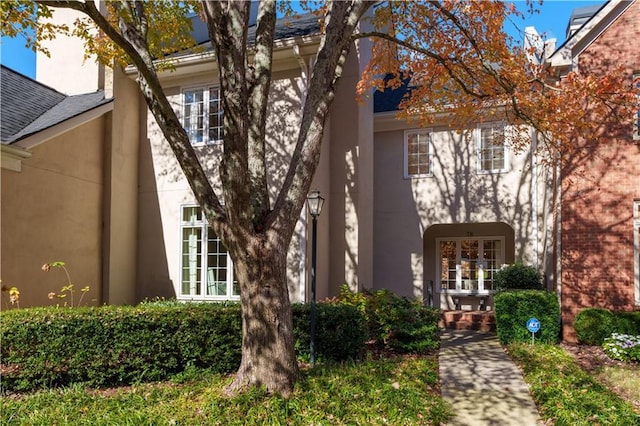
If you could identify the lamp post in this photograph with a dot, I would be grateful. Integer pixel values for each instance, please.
(314, 205)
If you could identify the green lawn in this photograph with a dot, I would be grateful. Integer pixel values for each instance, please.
(399, 391)
(565, 392)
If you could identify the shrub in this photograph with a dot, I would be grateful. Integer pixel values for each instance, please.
(108, 346)
(593, 325)
(402, 324)
(627, 322)
(623, 347)
(514, 308)
(340, 331)
(518, 276)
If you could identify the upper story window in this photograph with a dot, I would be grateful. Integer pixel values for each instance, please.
(202, 115)
(636, 120)
(417, 153)
(492, 149)
(206, 270)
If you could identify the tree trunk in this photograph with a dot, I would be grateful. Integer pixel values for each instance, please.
(268, 354)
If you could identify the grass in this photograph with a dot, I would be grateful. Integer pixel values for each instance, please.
(625, 379)
(398, 391)
(566, 393)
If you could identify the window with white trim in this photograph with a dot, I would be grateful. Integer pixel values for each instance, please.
(468, 265)
(202, 115)
(417, 153)
(636, 120)
(492, 148)
(206, 270)
(636, 248)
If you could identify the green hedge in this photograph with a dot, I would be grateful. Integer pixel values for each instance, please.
(513, 309)
(594, 325)
(107, 346)
(402, 324)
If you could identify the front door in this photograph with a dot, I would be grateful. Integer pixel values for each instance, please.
(468, 265)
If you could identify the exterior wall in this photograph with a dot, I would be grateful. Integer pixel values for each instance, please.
(599, 186)
(52, 211)
(121, 196)
(455, 201)
(66, 69)
(351, 196)
(163, 188)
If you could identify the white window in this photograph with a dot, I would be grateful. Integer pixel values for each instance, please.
(206, 270)
(468, 265)
(202, 115)
(417, 153)
(636, 120)
(636, 248)
(492, 149)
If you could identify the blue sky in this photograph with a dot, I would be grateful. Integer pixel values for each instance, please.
(552, 20)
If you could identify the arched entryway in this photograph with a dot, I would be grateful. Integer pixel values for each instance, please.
(460, 261)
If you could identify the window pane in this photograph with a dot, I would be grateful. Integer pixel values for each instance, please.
(194, 114)
(191, 261)
(216, 266)
(215, 115)
(448, 271)
(492, 148)
(418, 156)
(469, 264)
(492, 255)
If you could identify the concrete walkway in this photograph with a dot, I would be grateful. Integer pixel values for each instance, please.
(482, 383)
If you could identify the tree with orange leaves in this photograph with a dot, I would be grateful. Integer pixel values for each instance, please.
(461, 65)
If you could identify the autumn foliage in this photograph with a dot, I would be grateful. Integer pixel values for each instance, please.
(462, 68)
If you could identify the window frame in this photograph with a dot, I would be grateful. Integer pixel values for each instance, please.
(479, 148)
(635, 83)
(407, 134)
(459, 290)
(206, 102)
(636, 250)
(205, 232)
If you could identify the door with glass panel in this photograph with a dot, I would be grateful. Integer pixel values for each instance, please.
(468, 265)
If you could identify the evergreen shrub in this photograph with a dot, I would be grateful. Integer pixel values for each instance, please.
(402, 324)
(112, 346)
(518, 276)
(593, 325)
(515, 307)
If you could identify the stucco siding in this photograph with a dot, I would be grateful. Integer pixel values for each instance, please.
(164, 189)
(52, 211)
(455, 193)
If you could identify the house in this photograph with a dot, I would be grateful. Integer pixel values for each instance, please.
(52, 189)
(598, 256)
(425, 212)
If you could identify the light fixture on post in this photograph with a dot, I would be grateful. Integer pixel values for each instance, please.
(314, 206)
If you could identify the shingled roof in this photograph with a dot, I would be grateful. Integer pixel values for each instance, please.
(28, 107)
(287, 27)
(389, 99)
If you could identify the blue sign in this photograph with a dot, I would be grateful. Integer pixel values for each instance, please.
(533, 325)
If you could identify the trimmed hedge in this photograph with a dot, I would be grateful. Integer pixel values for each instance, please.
(402, 324)
(513, 308)
(594, 325)
(108, 346)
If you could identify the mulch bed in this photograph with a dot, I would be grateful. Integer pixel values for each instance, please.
(593, 359)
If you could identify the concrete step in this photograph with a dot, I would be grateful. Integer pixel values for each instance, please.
(468, 320)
